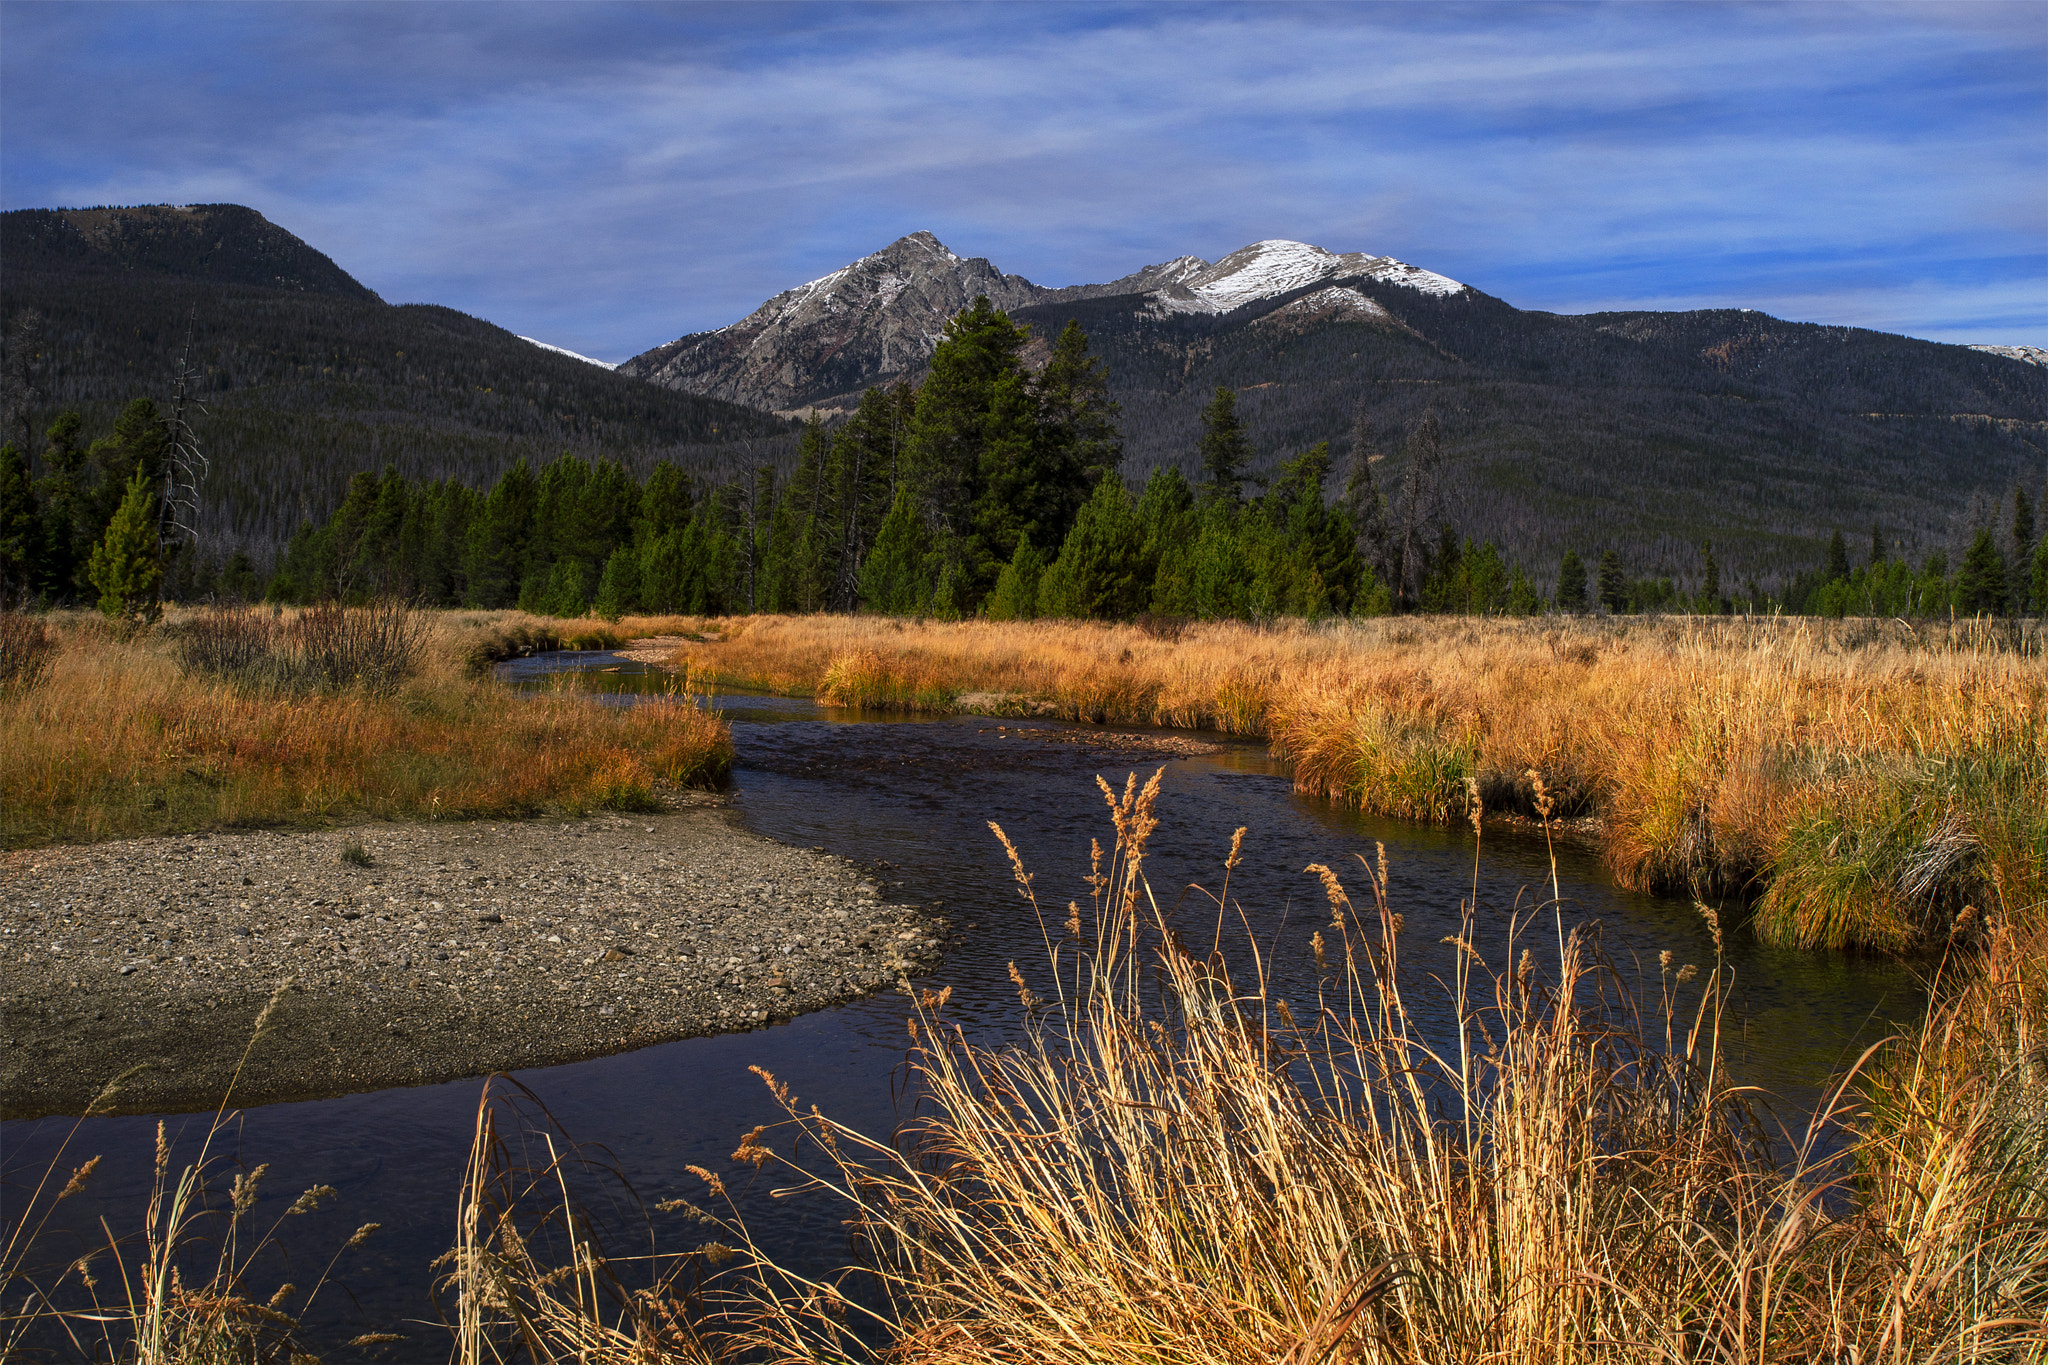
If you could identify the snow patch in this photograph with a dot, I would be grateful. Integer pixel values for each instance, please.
(1336, 299)
(2031, 355)
(561, 350)
(1278, 266)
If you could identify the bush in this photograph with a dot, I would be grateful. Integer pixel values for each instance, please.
(322, 649)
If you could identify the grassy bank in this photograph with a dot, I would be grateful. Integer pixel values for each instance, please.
(1868, 780)
(210, 721)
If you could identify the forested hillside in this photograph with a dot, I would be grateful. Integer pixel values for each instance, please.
(994, 489)
(307, 377)
(1649, 432)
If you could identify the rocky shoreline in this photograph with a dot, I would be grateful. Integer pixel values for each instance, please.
(416, 953)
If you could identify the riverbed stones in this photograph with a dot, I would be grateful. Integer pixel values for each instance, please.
(458, 950)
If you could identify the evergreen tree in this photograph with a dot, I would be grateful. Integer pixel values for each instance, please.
(1710, 578)
(893, 580)
(1613, 585)
(1876, 545)
(618, 592)
(66, 499)
(2020, 592)
(1015, 596)
(1838, 557)
(2040, 581)
(1095, 576)
(665, 503)
(1225, 454)
(1980, 583)
(1077, 422)
(495, 552)
(1571, 583)
(970, 450)
(21, 529)
(1167, 523)
(866, 462)
(125, 568)
(565, 595)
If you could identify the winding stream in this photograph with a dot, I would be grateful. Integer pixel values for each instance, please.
(917, 794)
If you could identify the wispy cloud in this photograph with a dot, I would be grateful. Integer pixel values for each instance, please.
(609, 177)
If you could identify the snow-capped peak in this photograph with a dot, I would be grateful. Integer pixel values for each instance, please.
(1278, 266)
(558, 350)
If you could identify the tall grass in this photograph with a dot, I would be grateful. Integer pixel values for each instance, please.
(179, 1292)
(1720, 756)
(1177, 1166)
(125, 737)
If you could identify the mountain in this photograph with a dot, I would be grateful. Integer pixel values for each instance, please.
(876, 321)
(306, 375)
(1643, 431)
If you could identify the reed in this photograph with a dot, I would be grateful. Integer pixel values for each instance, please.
(1719, 756)
(125, 737)
(177, 1292)
(1177, 1166)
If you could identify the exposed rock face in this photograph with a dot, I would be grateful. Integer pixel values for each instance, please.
(877, 320)
(872, 322)
(2031, 355)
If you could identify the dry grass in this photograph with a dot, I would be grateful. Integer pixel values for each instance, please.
(121, 739)
(1714, 751)
(151, 1298)
(1178, 1168)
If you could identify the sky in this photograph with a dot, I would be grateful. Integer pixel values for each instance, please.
(608, 177)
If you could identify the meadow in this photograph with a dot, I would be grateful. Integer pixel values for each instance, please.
(218, 719)
(1176, 1167)
(1851, 784)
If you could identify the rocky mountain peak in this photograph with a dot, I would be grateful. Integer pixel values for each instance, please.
(877, 320)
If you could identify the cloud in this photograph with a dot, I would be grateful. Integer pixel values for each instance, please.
(609, 177)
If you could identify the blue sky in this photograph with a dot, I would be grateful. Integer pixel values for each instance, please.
(608, 177)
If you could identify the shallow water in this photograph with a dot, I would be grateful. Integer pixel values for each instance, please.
(917, 794)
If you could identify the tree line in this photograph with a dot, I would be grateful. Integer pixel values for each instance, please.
(990, 489)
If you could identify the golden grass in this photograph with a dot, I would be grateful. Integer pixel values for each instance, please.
(1702, 744)
(119, 740)
(1175, 1167)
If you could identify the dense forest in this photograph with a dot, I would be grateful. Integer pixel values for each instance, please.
(994, 488)
(1647, 431)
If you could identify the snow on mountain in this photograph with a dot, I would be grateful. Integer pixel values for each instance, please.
(2032, 355)
(877, 319)
(1264, 269)
(560, 350)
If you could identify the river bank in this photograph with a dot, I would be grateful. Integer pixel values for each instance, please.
(416, 952)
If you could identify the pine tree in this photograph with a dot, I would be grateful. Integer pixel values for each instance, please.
(125, 567)
(1710, 577)
(894, 579)
(1077, 422)
(1015, 596)
(1613, 585)
(21, 529)
(1838, 558)
(1876, 545)
(1225, 454)
(2020, 591)
(1571, 583)
(495, 553)
(1980, 583)
(1095, 576)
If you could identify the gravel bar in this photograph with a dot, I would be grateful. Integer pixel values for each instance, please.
(417, 953)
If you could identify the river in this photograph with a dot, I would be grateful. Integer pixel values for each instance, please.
(917, 795)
